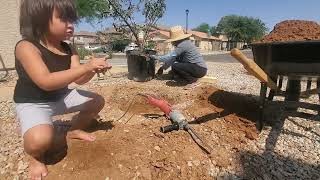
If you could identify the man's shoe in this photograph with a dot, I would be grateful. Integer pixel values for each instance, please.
(192, 85)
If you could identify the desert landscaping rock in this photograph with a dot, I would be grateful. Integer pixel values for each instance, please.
(287, 148)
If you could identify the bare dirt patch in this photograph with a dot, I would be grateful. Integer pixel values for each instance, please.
(136, 148)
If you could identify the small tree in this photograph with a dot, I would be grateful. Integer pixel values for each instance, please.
(240, 28)
(204, 27)
(91, 10)
(123, 13)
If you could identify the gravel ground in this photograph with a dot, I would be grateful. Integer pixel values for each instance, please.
(287, 148)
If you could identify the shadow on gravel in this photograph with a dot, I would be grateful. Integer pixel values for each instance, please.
(277, 112)
(273, 166)
(59, 147)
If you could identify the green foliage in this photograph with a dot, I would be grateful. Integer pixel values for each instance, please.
(153, 10)
(82, 52)
(100, 50)
(109, 54)
(214, 31)
(92, 10)
(204, 27)
(123, 13)
(119, 44)
(150, 45)
(240, 28)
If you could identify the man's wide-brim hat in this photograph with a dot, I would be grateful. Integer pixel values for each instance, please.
(177, 33)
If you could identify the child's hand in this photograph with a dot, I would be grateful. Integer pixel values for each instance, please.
(97, 64)
(108, 66)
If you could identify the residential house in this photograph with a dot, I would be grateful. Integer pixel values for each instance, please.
(159, 37)
(88, 40)
(228, 45)
(203, 41)
(9, 32)
(109, 34)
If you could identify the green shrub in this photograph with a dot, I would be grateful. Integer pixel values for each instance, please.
(100, 50)
(150, 45)
(109, 54)
(119, 44)
(82, 52)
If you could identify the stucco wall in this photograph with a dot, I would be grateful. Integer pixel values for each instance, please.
(9, 30)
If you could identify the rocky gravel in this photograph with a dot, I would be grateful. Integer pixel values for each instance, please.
(287, 148)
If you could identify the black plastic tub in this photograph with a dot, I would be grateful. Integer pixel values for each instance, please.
(140, 67)
(295, 59)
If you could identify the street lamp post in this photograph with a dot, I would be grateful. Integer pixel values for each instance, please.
(187, 12)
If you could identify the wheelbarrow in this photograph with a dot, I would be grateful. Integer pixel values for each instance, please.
(296, 60)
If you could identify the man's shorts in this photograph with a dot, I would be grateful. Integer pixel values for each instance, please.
(33, 114)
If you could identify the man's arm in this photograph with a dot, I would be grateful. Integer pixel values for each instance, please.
(168, 59)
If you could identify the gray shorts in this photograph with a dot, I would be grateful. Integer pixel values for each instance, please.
(33, 114)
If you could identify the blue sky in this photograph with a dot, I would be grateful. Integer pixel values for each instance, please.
(211, 11)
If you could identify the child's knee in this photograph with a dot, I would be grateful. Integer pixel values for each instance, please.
(38, 138)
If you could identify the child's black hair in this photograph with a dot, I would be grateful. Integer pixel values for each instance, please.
(35, 16)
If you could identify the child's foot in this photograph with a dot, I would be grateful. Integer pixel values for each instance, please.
(82, 135)
(37, 170)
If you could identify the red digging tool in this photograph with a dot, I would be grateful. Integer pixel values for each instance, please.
(177, 119)
(163, 105)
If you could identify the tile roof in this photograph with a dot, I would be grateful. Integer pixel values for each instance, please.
(166, 32)
(202, 35)
(111, 31)
(85, 33)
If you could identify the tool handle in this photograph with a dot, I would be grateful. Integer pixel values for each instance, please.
(204, 146)
(253, 68)
(169, 128)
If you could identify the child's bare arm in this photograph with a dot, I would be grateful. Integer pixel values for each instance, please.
(31, 60)
(87, 76)
(75, 62)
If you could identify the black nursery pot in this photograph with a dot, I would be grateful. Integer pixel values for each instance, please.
(140, 68)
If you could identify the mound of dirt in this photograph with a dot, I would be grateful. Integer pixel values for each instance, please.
(294, 30)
